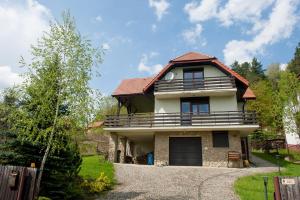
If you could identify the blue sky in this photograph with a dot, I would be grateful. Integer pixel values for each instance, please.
(141, 36)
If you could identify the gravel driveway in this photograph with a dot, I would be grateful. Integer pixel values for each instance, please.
(174, 183)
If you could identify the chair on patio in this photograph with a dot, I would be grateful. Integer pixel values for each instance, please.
(233, 156)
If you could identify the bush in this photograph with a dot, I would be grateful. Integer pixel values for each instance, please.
(43, 198)
(102, 183)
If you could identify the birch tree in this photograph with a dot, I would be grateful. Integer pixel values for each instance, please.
(57, 86)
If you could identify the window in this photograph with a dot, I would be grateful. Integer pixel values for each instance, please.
(195, 105)
(220, 139)
(193, 74)
(193, 79)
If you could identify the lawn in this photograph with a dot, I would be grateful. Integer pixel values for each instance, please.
(92, 166)
(252, 187)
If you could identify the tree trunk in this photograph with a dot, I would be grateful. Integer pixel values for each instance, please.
(39, 179)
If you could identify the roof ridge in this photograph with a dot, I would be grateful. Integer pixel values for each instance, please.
(181, 55)
(200, 54)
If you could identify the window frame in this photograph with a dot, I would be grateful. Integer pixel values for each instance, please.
(193, 71)
(195, 100)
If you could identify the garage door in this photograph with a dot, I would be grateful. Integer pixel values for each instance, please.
(185, 151)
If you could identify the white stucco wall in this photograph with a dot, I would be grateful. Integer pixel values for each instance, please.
(217, 103)
(223, 103)
(209, 71)
(290, 126)
(167, 105)
(212, 71)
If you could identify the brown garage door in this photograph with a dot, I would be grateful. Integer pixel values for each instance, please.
(185, 151)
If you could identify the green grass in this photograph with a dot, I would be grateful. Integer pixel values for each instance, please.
(293, 154)
(92, 166)
(252, 187)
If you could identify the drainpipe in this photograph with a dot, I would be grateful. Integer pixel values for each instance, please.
(119, 106)
(244, 104)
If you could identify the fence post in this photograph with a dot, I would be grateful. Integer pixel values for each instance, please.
(276, 189)
(266, 187)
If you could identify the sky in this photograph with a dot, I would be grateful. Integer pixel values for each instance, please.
(139, 37)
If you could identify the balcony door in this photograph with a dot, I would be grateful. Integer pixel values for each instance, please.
(193, 78)
(193, 106)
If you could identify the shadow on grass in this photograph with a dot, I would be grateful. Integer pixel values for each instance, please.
(271, 157)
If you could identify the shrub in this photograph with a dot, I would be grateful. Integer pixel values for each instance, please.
(102, 183)
(44, 198)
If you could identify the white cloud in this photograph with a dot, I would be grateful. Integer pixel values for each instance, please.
(193, 35)
(232, 11)
(282, 66)
(105, 46)
(153, 28)
(99, 18)
(153, 54)
(150, 69)
(273, 31)
(278, 25)
(241, 10)
(130, 22)
(21, 25)
(8, 77)
(160, 7)
(199, 12)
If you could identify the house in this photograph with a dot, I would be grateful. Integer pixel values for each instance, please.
(291, 128)
(190, 113)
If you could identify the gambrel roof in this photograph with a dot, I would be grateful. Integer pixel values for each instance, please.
(142, 85)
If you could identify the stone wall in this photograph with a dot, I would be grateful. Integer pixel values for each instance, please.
(113, 146)
(95, 142)
(215, 157)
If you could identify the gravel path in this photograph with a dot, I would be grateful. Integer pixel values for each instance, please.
(174, 183)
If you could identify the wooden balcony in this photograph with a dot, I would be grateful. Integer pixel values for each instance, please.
(212, 86)
(209, 83)
(155, 120)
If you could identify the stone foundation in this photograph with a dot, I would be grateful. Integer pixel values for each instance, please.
(211, 156)
(113, 147)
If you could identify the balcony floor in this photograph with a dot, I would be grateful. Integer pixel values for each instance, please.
(244, 129)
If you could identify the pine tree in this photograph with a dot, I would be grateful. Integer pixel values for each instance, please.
(257, 68)
(252, 71)
(61, 170)
(294, 64)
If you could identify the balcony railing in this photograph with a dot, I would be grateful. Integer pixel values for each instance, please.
(228, 118)
(209, 83)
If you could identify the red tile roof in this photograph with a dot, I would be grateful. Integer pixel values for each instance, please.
(141, 85)
(249, 94)
(132, 86)
(230, 71)
(95, 124)
(196, 57)
(191, 56)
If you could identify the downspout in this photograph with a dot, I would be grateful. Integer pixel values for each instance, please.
(119, 106)
(244, 104)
